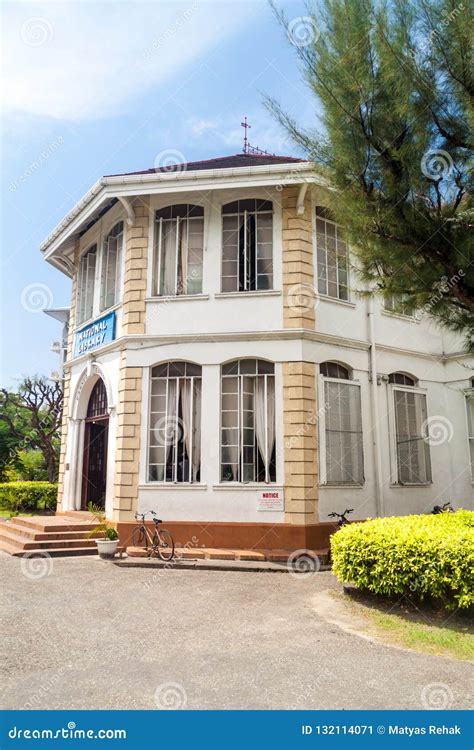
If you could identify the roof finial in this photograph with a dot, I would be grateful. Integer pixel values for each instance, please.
(246, 126)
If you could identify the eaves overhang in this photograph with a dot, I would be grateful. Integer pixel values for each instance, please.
(61, 240)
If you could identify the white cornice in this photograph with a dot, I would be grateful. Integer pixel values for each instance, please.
(122, 186)
(140, 341)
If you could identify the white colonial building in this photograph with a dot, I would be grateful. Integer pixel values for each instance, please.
(223, 370)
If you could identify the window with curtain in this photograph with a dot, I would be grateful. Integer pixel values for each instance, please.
(174, 452)
(342, 420)
(332, 256)
(470, 428)
(86, 285)
(247, 245)
(412, 447)
(248, 421)
(179, 243)
(111, 266)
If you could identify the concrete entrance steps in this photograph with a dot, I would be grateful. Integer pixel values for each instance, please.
(205, 553)
(56, 536)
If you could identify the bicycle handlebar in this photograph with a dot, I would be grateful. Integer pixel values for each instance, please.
(341, 515)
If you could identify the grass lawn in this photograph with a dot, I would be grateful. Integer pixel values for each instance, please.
(401, 622)
(430, 638)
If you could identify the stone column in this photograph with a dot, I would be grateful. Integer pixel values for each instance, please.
(128, 440)
(298, 262)
(300, 442)
(299, 378)
(135, 273)
(67, 406)
(129, 402)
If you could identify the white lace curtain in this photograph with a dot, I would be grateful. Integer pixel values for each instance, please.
(265, 419)
(192, 422)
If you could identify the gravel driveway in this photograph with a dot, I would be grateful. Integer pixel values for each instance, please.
(85, 634)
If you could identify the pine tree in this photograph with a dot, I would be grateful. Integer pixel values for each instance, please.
(394, 83)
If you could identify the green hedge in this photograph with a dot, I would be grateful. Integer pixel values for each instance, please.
(428, 556)
(27, 496)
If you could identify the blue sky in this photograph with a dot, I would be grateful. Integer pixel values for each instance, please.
(97, 88)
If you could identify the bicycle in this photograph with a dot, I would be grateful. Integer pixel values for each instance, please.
(343, 521)
(446, 508)
(159, 542)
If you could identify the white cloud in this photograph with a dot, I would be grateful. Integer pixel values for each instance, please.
(225, 131)
(83, 61)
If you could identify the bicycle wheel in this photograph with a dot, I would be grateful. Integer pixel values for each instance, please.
(138, 538)
(165, 545)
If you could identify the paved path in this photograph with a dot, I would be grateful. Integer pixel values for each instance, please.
(91, 635)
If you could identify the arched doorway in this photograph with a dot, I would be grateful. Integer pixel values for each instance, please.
(94, 472)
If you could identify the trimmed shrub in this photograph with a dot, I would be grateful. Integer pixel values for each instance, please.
(27, 496)
(428, 556)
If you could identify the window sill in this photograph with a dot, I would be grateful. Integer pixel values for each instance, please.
(238, 486)
(172, 486)
(241, 295)
(396, 485)
(336, 300)
(400, 316)
(341, 486)
(177, 298)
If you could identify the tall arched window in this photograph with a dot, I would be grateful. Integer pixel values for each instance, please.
(248, 421)
(401, 378)
(179, 241)
(111, 266)
(86, 285)
(332, 256)
(247, 245)
(342, 457)
(174, 453)
(410, 428)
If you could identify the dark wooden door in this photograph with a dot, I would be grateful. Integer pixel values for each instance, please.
(95, 463)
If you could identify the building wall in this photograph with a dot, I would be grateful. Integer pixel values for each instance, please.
(295, 331)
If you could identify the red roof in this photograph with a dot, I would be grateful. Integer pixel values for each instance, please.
(221, 162)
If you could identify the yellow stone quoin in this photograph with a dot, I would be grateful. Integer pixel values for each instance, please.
(300, 439)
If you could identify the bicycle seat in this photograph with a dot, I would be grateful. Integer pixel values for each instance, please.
(157, 520)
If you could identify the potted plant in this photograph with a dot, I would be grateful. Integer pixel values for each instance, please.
(106, 546)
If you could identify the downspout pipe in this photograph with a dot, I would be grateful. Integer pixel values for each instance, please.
(379, 499)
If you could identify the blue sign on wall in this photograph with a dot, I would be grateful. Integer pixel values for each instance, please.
(95, 335)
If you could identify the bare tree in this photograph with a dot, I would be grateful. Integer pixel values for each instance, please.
(42, 399)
